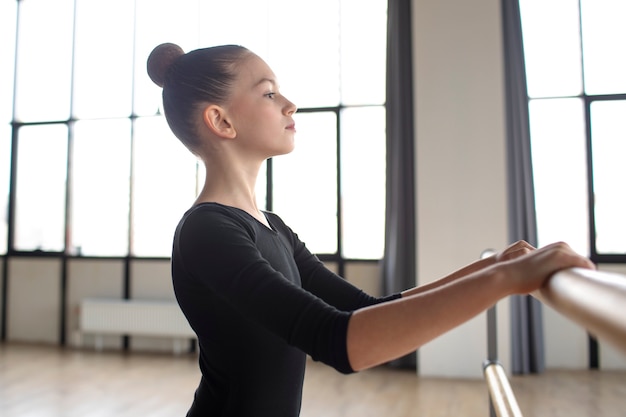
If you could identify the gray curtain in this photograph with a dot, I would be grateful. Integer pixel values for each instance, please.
(398, 264)
(526, 320)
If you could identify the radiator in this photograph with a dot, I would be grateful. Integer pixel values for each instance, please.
(99, 316)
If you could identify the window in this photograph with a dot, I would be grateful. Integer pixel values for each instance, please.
(40, 188)
(577, 88)
(8, 20)
(97, 171)
(100, 187)
(608, 132)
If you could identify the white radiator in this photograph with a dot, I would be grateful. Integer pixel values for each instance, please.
(100, 316)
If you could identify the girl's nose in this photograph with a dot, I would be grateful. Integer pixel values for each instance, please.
(290, 108)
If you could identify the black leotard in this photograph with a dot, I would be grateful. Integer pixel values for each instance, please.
(259, 301)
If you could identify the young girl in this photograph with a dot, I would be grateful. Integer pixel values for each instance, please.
(258, 300)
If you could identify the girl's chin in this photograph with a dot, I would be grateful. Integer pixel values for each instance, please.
(288, 148)
(284, 152)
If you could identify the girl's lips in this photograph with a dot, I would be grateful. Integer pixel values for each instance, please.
(291, 127)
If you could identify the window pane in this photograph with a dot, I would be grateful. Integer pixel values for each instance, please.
(242, 22)
(159, 21)
(608, 136)
(305, 182)
(559, 161)
(103, 64)
(8, 17)
(552, 47)
(304, 50)
(363, 51)
(604, 36)
(363, 182)
(8, 10)
(44, 62)
(164, 186)
(100, 188)
(5, 167)
(40, 194)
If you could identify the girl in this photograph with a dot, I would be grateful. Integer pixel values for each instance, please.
(258, 300)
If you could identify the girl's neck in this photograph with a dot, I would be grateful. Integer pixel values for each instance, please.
(232, 187)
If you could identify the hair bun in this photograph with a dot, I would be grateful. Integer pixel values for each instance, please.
(161, 59)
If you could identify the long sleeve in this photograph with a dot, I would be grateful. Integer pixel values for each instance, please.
(252, 271)
(321, 281)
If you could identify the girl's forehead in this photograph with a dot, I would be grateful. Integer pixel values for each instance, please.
(254, 70)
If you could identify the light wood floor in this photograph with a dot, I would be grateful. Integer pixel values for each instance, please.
(40, 381)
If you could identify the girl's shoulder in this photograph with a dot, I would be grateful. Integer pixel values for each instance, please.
(214, 215)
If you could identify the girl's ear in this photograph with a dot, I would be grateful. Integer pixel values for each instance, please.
(215, 118)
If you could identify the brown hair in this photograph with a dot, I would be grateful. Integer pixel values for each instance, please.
(191, 80)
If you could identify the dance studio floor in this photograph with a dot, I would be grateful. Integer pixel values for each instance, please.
(47, 381)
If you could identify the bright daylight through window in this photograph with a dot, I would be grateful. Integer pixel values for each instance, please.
(96, 171)
(577, 86)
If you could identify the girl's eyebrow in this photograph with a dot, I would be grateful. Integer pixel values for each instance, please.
(266, 80)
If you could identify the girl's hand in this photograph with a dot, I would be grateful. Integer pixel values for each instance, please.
(517, 249)
(530, 271)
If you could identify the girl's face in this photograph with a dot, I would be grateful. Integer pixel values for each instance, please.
(261, 116)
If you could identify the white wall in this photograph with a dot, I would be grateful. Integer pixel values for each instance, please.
(34, 297)
(89, 278)
(461, 196)
(151, 280)
(34, 301)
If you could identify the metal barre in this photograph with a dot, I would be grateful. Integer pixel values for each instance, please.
(500, 392)
(596, 300)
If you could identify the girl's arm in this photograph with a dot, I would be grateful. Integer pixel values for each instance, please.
(383, 332)
(513, 251)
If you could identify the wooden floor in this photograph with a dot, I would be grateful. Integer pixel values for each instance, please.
(40, 381)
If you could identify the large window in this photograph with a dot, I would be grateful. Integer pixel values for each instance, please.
(90, 168)
(7, 64)
(576, 72)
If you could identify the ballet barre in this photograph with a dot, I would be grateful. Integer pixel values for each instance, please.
(595, 300)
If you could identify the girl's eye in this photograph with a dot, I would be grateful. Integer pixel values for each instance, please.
(270, 95)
